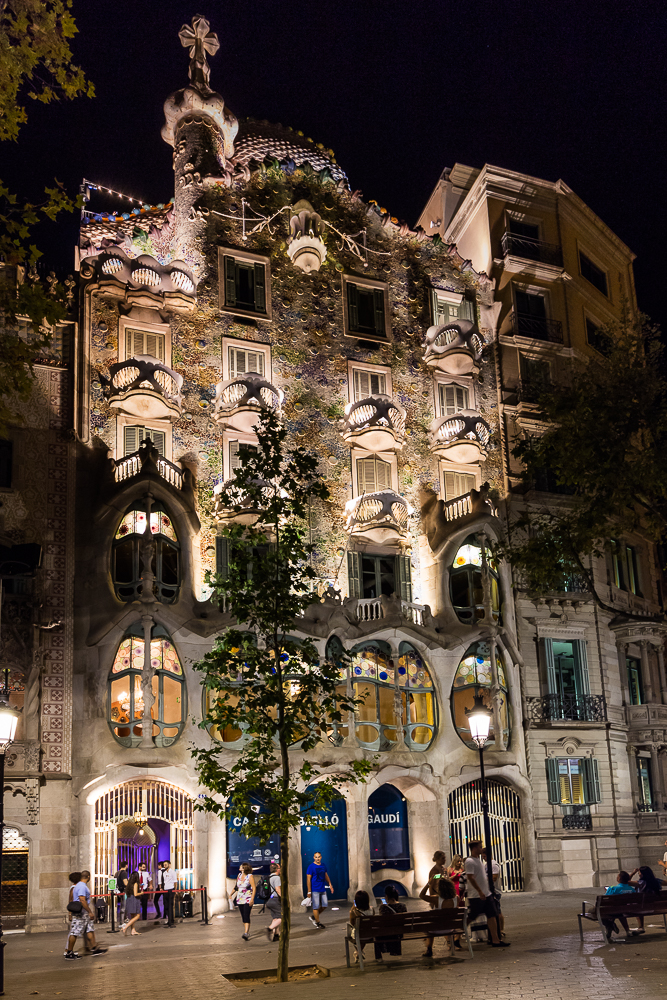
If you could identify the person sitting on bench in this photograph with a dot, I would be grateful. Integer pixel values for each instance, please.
(623, 885)
(392, 945)
(439, 893)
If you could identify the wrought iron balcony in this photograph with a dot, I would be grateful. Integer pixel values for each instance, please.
(526, 248)
(454, 347)
(462, 437)
(239, 401)
(381, 517)
(375, 423)
(143, 387)
(538, 328)
(568, 707)
(578, 821)
(148, 460)
(530, 390)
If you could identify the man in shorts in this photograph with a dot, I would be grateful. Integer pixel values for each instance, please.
(83, 923)
(318, 877)
(481, 899)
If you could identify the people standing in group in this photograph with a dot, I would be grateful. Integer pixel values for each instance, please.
(245, 896)
(439, 864)
(121, 883)
(158, 898)
(318, 879)
(83, 921)
(146, 881)
(480, 895)
(132, 904)
(168, 881)
(388, 908)
(274, 903)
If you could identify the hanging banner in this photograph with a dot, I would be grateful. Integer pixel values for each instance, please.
(388, 829)
(249, 850)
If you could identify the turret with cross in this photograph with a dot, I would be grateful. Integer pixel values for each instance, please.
(200, 41)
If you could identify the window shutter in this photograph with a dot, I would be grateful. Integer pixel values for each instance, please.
(553, 783)
(260, 288)
(129, 347)
(382, 474)
(378, 300)
(157, 437)
(404, 574)
(354, 573)
(468, 310)
(234, 460)
(352, 306)
(255, 362)
(435, 308)
(591, 773)
(457, 484)
(581, 666)
(361, 385)
(222, 556)
(130, 444)
(155, 346)
(378, 385)
(230, 281)
(548, 659)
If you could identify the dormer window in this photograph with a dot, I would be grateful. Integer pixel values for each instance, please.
(127, 555)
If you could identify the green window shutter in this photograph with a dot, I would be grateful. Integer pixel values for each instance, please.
(435, 308)
(581, 666)
(548, 659)
(553, 783)
(378, 301)
(591, 773)
(260, 288)
(130, 444)
(468, 310)
(222, 556)
(404, 574)
(354, 573)
(352, 306)
(230, 281)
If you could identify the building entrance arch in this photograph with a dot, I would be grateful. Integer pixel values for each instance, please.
(144, 820)
(466, 824)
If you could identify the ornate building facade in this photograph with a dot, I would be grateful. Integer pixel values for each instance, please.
(403, 359)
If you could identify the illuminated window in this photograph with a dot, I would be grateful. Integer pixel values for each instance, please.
(452, 399)
(625, 567)
(127, 555)
(573, 781)
(473, 676)
(465, 583)
(126, 695)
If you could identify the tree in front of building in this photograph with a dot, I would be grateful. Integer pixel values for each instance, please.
(271, 690)
(605, 450)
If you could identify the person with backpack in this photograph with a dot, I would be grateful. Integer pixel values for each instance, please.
(274, 903)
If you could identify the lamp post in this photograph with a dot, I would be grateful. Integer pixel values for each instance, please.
(9, 717)
(479, 720)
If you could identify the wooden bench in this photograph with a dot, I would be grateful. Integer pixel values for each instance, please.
(418, 924)
(623, 904)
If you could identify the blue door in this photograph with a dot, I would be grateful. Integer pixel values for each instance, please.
(332, 845)
(388, 829)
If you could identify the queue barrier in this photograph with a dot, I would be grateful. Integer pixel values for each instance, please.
(111, 900)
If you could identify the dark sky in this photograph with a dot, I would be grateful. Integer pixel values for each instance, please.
(574, 90)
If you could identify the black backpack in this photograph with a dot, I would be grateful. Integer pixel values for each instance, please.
(263, 891)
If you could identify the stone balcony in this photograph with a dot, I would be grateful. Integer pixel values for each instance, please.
(141, 281)
(454, 348)
(143, 387)
(647, 723)
(371, 609)
(380, 517)
(462, 437)
(245, 509)
(376, 424)
(148, 461)
(239, 402)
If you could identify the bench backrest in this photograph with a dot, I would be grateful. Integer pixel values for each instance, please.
(629, 902)
(421, 921)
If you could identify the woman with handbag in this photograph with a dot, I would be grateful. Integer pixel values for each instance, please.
(245, 896)
(133, 903)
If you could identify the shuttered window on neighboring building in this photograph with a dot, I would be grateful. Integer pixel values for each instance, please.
(133, 436)
(453, 399)
(373, 475)
(245, 284)
(457, 484)
(142, 342)
(242, 361)
(573, 781)
(369, 383)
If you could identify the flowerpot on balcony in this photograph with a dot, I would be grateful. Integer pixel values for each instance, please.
(462, 437)
(376, 424)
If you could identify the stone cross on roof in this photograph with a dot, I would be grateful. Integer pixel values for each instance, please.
(200, 40)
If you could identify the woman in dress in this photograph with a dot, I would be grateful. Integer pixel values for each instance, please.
(456, 873)
(245, 896)
(132, 904)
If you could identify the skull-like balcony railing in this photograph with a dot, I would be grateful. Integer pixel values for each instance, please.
(375, 423)
(380, 517)
(454, 348)
(142, 281)
(240, 401)
(462, 437)
(143, 387)
(238, 507)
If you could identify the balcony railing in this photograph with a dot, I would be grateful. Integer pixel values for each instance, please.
(461, 437)
(369, 609)
(375, 423)
(131, 465)
(239, 402)
(381, 516)
(569, 707)
(578, 821)
(538, 328)
(475, 502)
(530, 249)
(531, 390)
(143, 387)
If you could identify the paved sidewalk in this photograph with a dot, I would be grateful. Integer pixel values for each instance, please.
(545, 961)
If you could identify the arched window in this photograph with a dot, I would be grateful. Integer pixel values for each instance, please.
(375, 680)
(127, 555)
(126, 702)
(474, 674)
(465, 582)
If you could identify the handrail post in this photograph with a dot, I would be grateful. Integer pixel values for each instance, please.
(112, 896)
(204, 905)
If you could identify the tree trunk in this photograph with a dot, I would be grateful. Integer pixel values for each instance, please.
(285, 910)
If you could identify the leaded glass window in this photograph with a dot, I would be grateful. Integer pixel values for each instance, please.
(128, 558)
(474, 676)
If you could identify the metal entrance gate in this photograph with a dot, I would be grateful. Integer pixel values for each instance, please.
(465, 824)
(15, 851)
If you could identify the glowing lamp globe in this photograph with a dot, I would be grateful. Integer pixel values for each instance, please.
(9, 718)
(479, 720)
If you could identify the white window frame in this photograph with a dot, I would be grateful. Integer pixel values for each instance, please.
(353, 366)
(448, 298)
(349, 279)
(251, 258)
(227, 438)
(388, 457)
(123, 421)
(464, 381)
(245, 345)
(162, 329)
(468, 470)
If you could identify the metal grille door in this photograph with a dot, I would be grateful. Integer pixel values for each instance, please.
(15, 850)
(465, 824)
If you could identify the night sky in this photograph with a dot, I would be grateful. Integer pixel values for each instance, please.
(571, 90)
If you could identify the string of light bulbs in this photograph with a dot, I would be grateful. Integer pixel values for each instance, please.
(119, 194)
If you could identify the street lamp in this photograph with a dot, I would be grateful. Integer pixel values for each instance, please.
(9, 718)
(479, 720)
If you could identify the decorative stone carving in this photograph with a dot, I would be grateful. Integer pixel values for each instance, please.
(454, 347)
(142, 281)
(32, 800)
(143, 387)
(306, 248)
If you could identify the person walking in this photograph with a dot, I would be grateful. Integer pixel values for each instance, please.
(145, 885)
(481, 899)
(83, 920)
(274, 904)
(158, 898)
(495, 871)
(69, 953)
(318, 879)
(245, 896)
(168, 884)
(121, 877)
(132, 903)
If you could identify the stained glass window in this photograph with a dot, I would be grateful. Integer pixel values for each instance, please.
(474, 675)
(134, 523)
(128, 558)
(466, 582)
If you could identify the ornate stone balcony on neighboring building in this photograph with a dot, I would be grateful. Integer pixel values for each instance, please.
(647, 718)
(143, 387)
(462, 437)
(380, 517)
(239, 401)
(453, 347)
(375, 423)
(141, 281)
(567, 707)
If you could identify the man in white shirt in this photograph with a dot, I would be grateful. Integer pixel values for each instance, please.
(495, 871)
(168, 883)
(481, 899)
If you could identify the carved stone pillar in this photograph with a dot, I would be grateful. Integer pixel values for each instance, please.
(398, 700)
(622, 650)
(147, 687)
(634, 777)
(647, 679)
(656, 778)
(660, 652)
